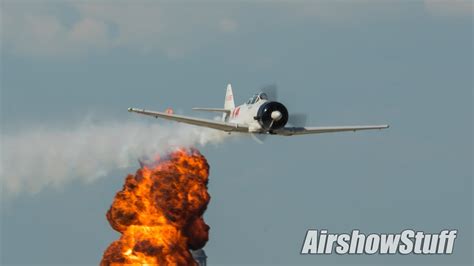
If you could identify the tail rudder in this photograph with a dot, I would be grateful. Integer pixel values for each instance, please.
(229, 101)
(229, 98)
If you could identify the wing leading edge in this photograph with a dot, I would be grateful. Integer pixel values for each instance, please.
(220, 125)
(290, 131)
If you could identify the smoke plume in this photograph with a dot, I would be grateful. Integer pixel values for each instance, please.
(40, 157)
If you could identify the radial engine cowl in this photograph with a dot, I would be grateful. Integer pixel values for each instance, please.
(272, 115)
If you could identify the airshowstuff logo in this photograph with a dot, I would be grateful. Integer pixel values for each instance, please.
(406, 242)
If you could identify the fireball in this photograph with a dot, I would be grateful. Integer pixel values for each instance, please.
(159, 212)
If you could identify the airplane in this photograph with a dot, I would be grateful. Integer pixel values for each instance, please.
(260, 115)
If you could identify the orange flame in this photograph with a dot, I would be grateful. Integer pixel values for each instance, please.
(159, 212)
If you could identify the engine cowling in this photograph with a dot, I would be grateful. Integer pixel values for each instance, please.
(272, 115)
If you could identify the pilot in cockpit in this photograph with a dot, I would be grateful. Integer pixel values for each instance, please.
(257, 97)
(263, 96)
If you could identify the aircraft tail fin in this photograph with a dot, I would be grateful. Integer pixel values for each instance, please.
(229, 101)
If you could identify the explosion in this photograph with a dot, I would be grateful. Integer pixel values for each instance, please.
(159, 212)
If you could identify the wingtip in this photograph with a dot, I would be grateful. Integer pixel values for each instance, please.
(130, 109)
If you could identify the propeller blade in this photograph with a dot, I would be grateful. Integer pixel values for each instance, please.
(259, 138)
(298, 119)
(271, 91)
(271, 124)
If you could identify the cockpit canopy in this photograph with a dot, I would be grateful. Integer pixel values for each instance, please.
(257, 97)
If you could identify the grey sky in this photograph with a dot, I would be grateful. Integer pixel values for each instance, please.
(406, 63)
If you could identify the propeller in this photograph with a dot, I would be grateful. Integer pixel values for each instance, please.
(297, 119)
(259, 138)
(271, 91)
(294, 119)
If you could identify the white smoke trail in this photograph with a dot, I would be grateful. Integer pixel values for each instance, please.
(39, 157)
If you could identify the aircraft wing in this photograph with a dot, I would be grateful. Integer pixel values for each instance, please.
(219, 110)
(290, 131)
(220, 125)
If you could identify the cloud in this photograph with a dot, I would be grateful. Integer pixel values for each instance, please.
(450, 7)
(140, 25)
(82, 27)
(41, 31)
(88, 31)
(77, 28)
(228, 25)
